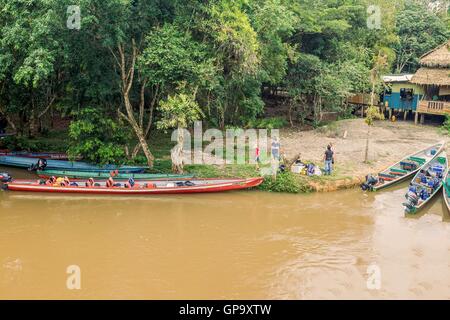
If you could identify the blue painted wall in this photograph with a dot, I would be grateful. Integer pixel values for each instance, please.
(395, 102)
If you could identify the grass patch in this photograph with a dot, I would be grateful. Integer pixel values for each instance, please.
(337, 174)
(286, 182)
(228, 171)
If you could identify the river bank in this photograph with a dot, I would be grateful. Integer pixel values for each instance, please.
(389, 142)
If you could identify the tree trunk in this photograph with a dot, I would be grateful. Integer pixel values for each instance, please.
(33, 125)
(137, 148)
(127, 77)
(138, 132)
(177, 153)
(366, 155)
(8, 119)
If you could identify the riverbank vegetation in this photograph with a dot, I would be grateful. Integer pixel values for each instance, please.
(112, 75)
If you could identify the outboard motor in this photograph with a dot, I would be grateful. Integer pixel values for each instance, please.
(411, 201)
(370, 182)
(5, 177)
(41, 164)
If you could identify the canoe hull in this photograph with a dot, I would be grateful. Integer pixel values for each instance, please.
(233, 184)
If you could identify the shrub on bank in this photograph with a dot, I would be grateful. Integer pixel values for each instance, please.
(285, 182)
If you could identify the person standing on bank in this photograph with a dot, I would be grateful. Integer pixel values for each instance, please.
(329, 160)
(275, 149)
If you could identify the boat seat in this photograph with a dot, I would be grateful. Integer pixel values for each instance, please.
(387, 177)
(397, 174)
(417, 159)
(399, 170)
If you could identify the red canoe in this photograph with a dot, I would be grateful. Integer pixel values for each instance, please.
(157, 187)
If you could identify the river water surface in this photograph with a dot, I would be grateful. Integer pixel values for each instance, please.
(239, 245)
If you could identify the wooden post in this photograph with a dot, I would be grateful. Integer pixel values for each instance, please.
(422, 118)
(416, 117)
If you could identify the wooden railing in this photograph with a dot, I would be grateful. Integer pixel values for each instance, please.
(433, 107)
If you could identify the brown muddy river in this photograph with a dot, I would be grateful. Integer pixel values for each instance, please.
(241, 245)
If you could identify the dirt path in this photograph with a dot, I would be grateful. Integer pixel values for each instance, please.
(389, 142)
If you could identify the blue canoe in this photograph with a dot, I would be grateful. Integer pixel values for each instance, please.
(24, 162)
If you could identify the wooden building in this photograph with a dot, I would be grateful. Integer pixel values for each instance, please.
(434, 78)
(400, 94)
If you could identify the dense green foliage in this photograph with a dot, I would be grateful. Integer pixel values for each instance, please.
(130, 58)
(97, 138)
(419, 31)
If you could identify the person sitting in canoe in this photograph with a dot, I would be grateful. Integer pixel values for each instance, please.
(61, 182)
(51, 181)
(130, 184)
(110, 182)
(90, 183)
(66, 182)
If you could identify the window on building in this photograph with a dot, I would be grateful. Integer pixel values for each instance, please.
(406, 93)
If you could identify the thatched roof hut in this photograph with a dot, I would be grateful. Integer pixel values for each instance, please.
(435, 67)
(437, 58)
(429, 76)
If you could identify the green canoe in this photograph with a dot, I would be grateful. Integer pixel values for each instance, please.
(106, 175)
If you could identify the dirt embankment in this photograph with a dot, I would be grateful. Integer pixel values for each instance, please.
(389, 142)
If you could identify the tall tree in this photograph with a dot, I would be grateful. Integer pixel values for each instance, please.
(419, 30)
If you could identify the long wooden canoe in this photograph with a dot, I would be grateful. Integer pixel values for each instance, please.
(24, 162)
(437, 170)
(406, 167)
(152, 187)
(105, 175)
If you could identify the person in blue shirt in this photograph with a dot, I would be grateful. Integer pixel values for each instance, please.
(275, 148)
